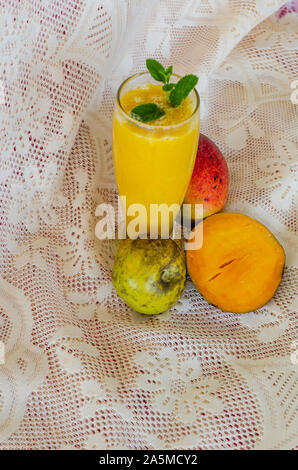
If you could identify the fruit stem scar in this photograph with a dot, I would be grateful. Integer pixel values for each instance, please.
(169, 272)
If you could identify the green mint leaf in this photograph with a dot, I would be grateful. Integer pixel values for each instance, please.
(147, 112)
(156, 70)
(182, 89)
(169, 72)
(168, 86)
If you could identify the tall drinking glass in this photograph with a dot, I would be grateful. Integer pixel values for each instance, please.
(154, 161)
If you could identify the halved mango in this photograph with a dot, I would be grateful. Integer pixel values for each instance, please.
(240, 264)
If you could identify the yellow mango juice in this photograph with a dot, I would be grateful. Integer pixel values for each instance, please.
(154, 161)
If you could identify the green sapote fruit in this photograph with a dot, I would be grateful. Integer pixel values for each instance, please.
(149, 275)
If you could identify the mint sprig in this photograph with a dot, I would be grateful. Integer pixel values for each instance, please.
(182, 89)
(168, 86)
(147, 112)
(158, 71)
(176, 92)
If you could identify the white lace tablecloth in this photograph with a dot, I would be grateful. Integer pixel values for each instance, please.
(81, 370)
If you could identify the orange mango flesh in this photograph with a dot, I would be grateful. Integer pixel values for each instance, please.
(240, 264)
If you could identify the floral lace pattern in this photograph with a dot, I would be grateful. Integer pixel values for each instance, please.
(24, 365)
(180, 388)
(81, 369)
(281, 175)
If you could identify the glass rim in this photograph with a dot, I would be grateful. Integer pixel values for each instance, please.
(154, 126)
